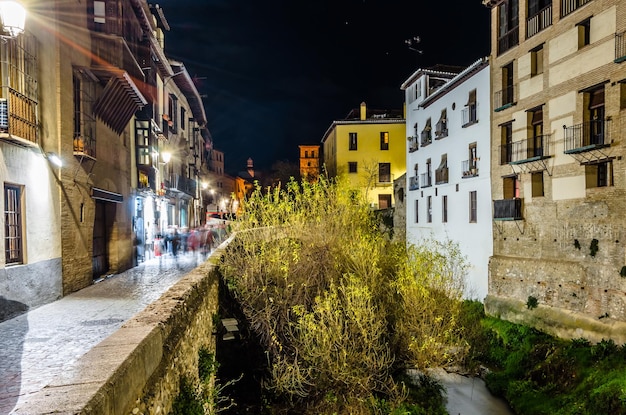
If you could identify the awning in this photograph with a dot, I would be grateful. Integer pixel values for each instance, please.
(120, 99)
(105, 195)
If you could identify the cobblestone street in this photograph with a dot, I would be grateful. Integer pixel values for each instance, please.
(39, 345)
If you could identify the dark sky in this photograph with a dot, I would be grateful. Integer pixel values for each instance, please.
(276, 74)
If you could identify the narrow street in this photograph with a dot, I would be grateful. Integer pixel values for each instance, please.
(41, 344)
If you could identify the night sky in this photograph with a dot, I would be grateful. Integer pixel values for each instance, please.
(276, 74)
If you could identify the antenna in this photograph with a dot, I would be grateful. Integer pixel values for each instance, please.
(413, 42)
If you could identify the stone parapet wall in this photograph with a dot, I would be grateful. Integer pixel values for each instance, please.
(138, 369)
(557, 322)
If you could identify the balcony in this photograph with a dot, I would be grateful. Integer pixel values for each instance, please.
(179, 184)
(18, 116)
(425, 180)
(441, 130)
(469, 115)
(504, 98)
(587, 136)
(414, 183)
(538, 22)
(620, 47)
(469, 168)
(508, 40)
(426, 138)
(507, 209)
(570, 6)
(413, 146)
(441, 175)
(84, 146)
(530, 149)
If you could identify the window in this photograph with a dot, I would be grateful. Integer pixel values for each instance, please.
(596, 114)
(182, 118)
(13, 224)
(384, 141)
(599, 174)
(536, 61)
(510, 187)
(539, 16)
(84, 120)
(506, 143)
(384, 172)
(384, 201)
(535, 146)
(473, 215)
(426, 135)
(172, 111)
(99, 14)
(429, 209)
(508, 25)
(469, 112)
(504, 98)
(417, 210)
(584, 29)
(444, 208)
(537, 184)
(142, 136)
(352, 167)
(473, 159)
(352, 142)
(441, 174)
(441, 129)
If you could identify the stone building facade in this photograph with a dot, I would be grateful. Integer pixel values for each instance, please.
(89, 82)
(558, 171)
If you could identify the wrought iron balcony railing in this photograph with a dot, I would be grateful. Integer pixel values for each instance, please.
(507, 209)
(413, 146)
(414, 183)
(570, 6)
(441, 130)
(441, 175)
(469, 115)
(530, 149)
(469, 168)
(587, 136)
(426, 138)
(620, 47)
(508, 40)
(425, 180)
(539, 21)
(504, 98)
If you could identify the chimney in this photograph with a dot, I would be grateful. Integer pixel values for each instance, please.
(363, 111)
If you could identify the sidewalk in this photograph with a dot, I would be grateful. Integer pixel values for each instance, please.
(41, 344)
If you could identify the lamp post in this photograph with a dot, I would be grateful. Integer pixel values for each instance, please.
(13, 17)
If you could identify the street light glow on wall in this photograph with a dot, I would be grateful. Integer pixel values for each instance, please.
(167, 156)
(13, 17)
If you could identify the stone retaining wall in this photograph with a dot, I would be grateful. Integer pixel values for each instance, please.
(137, 370)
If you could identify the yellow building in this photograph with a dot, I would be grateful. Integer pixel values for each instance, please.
(558, 73)
(309, 161)
(369, 147)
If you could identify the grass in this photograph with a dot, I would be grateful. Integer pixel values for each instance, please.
(538, 374)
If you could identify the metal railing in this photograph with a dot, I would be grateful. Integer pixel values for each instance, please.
(469, 115)
(426, 138)
(469, 168)
(508, 40)
(507, 209)
(504, 97)
(587, 135)
(538, 22)
(569, 6)
(620, 47)
(414, 183)
(413, 146)
(425, 180)
(441, 175)
(530, 149)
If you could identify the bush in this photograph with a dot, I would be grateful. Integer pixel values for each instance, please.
(339, 307)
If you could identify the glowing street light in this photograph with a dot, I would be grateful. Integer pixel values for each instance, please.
(167, 156)
(13, 17)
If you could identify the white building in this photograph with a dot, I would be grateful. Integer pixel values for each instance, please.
(448, 164)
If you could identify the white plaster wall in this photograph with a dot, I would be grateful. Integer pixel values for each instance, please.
(475, 240)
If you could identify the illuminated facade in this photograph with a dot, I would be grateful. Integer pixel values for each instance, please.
(558, 75)
(369, 147)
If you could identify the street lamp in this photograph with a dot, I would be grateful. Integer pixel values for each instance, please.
(167, 156)
(13, 17)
